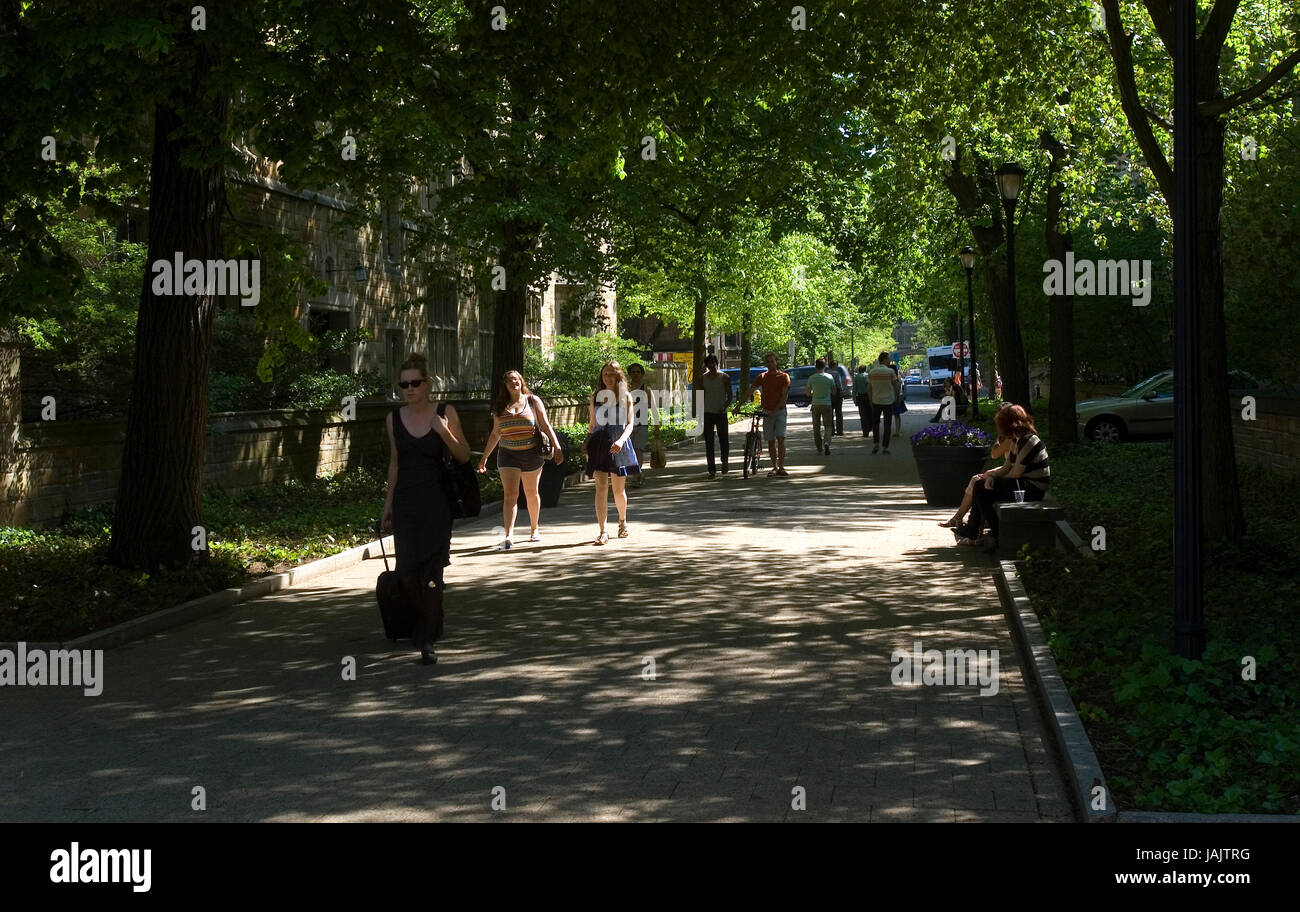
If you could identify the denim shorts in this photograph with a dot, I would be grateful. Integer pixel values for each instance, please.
(774, 424)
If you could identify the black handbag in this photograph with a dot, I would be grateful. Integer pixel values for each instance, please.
(459, 483)
(543, 443)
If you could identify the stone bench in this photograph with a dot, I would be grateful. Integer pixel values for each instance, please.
(1032, 523)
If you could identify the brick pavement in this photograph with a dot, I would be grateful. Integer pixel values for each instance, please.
(772, 657)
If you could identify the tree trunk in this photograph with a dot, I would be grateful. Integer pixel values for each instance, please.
(511, 304)
(1060, 409)
(1221, 499)
(159, 494)
(699, 330)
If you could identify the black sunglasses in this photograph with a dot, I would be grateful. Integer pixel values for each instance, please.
(404, 384)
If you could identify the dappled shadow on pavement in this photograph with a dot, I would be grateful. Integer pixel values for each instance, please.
(769, 607)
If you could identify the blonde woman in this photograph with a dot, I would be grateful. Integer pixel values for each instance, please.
(610, 456)
(517, 416)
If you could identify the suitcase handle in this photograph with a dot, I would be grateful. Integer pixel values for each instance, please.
(380, 532)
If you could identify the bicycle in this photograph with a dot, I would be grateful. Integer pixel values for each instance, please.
(753, 446)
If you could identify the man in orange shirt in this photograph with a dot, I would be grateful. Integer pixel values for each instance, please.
(774, 385)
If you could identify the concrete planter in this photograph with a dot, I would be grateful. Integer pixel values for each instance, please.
(944, 471)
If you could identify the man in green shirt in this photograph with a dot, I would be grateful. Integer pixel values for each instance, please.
(820, 387)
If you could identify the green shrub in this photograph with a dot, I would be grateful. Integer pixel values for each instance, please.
(1174, 734)
(576, 366)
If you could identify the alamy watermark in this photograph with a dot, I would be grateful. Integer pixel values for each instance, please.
(956, 667)
(1099, 277)
(53, 668)
(652, 405)
(179, 276)
(77, 865)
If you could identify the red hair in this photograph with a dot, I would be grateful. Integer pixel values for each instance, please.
(1013, 421)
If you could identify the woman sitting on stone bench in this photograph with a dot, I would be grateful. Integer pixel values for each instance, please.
(1000, 449)
(1027, 468)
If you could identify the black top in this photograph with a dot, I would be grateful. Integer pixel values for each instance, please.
(421, 517)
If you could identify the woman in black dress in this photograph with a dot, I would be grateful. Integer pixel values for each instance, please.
(416, 508)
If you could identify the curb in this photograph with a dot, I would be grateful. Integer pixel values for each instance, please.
(1058, 709)
(1071, 738)
(195, 609)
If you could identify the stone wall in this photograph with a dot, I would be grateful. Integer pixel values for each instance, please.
(1272, 439)
(59, 466)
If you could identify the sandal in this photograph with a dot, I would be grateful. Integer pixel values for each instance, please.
(601, 538)
(968, 542)
(622, 530)
(950, 523)
(535, 537)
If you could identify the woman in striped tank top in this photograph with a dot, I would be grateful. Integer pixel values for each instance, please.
(517, 417)
(1027, 469)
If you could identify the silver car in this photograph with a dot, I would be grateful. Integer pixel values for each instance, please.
(1145, 410)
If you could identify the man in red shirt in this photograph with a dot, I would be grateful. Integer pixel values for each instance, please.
(774, 385)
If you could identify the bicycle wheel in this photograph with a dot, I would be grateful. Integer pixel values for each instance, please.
(750, 465)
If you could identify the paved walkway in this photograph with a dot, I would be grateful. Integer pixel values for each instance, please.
(770, 607)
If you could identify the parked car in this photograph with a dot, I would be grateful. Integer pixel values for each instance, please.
(1144, 410)
(734, 374)
(799, 384)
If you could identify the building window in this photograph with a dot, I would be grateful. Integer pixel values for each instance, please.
(322, 320)
(394, 242)
(533, 321)
(444, 328)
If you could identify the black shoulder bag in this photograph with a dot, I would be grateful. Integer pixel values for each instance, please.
(543, 443)
(459, 482)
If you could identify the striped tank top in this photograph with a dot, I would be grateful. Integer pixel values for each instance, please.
(1031, 453)
(517, 430)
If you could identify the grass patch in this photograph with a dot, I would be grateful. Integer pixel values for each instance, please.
(56, 584)
(1176, 735)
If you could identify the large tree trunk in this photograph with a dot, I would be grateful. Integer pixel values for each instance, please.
(699, 330)
(1060, 409)
(511, 304)
(1220, 497)
(159, 494)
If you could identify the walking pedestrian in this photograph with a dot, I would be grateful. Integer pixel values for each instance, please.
(517, 418)
(610, 456)
(900, 399)
(416, 508)
(838, 393)
(643, 400)
(820, 388)
(774, 389)
(882, 382)
(862, 396)
(717, 398)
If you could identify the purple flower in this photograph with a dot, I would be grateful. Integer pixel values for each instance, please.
(951, 433)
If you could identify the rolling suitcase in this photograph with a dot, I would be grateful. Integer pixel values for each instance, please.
(397, 615)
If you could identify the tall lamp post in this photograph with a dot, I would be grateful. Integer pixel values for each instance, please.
(1189, 606)
(1010, 178)
(968, 263)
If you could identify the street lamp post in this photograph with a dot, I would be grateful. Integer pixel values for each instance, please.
(1010, 179)
(1189, 607)
(968, 263)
